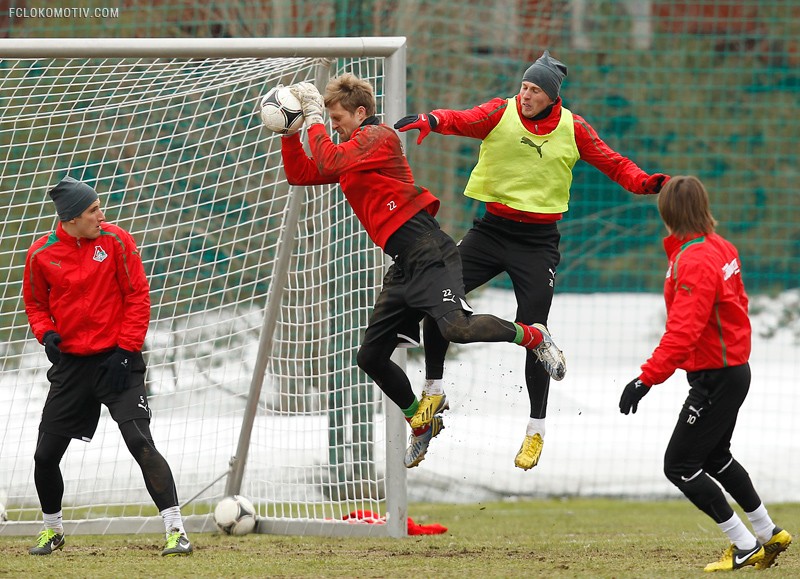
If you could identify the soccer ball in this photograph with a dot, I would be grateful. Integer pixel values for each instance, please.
(281, 111)
(235, 515)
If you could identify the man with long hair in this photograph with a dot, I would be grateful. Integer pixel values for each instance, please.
(708, 335)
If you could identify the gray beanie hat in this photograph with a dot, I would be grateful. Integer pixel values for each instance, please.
(547, 73)
(72, 197)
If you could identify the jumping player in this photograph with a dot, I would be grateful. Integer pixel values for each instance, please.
(399, 216)
(530, 144)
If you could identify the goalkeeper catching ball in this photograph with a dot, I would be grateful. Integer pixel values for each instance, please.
(399, 216)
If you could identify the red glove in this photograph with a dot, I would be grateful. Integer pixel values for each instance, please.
(653, 184)
(425, 124)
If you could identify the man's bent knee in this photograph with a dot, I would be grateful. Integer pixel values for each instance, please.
(455, 327)
(371, 359)
(681, 474)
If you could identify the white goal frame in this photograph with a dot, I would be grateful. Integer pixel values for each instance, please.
(393, 51)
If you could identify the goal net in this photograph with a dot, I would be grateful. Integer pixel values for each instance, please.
(259, 291)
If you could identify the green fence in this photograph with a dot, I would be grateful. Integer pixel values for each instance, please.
(710, 88)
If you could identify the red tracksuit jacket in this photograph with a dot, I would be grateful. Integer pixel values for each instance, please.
(93, 292)
(371, 169)
(479, 121)
(707, 322)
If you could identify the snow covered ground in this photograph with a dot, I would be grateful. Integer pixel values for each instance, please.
(590, 448)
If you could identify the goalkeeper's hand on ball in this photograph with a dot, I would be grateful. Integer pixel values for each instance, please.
(425, 123)
(634, 391)
(310, 101)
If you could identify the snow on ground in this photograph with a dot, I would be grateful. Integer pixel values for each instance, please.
(590, 448)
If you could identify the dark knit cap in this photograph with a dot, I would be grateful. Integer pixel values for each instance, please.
(72, 197)
(547, 73)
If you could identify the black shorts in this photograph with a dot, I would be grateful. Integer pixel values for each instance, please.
(72, 407)
(425, 279)
(702, 435)
(527, 252)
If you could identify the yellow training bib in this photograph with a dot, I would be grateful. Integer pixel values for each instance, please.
(525, 171)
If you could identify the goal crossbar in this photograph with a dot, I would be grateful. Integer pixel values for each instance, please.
(199, 47)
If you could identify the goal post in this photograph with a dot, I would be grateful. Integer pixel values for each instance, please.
(260, 290)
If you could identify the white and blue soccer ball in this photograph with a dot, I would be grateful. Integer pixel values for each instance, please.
(281, 111)
(235, 515)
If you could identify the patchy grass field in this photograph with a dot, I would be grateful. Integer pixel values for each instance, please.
(595, 538)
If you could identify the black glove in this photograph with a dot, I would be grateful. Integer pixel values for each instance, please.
(653, 184)
(117, 369)
(51, 340)
(634, 391)
(425, 124)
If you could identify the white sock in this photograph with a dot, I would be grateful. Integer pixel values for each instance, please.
(535, 426)
(738, 533)
(762, 523)
(54, 522)
(433, 387)
(172, 519)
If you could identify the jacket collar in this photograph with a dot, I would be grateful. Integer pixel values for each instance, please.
(371, 120)
(673, 244)
(65, 237)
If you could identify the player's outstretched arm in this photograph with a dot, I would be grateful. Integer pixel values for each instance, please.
(424, 123)
(653, 184)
